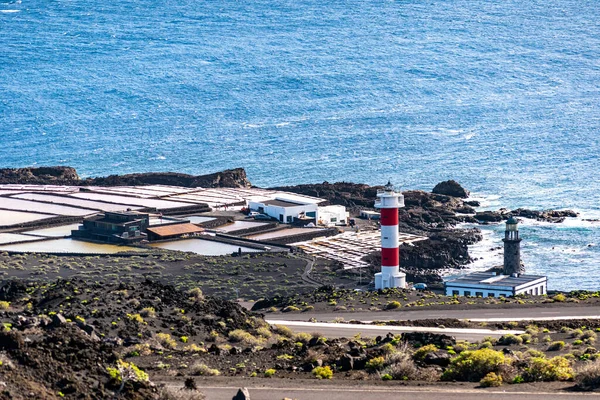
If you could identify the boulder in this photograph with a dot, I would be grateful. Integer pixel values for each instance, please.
(437, 358)
(451, 188)
(489, 216)
(58, 320)
(242, 394)
(346, 363)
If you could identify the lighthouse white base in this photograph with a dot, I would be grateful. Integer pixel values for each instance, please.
(390, 279)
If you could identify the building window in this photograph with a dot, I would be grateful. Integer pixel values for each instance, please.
(455, 293)
(478, 294)
(536, 291)
(333, 219)
(491, 294)
(311, 214)
(261, 210)
(467, 292)
(289, 218)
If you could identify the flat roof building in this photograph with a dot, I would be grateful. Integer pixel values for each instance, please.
(489, 284)
(114, 227)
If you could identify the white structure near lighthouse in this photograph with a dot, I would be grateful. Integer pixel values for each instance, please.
(389, 201)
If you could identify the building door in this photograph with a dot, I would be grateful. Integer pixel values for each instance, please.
(280, 217)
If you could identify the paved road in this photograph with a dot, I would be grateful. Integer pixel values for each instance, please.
(498, 314)
(348, 330)
(395, 393)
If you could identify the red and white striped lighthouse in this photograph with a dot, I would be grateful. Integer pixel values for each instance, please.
(389, 201)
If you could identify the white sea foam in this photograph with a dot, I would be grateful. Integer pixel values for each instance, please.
(9, 11)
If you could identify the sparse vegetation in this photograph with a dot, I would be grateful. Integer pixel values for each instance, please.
(323, 372)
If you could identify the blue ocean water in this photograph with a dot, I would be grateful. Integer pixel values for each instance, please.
(503, 96)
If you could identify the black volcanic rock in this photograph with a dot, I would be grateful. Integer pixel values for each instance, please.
(58, 175)
(490, 216)
(228, 178)
(451, 188)
(68, 176)
(547, 216)
(350, 195)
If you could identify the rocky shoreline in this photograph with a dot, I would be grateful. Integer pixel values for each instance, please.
(62, 175)
(434, 215)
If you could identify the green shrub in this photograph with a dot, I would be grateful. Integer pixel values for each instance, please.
(588, 334)
(534, 353)
(241, 336)
(392, 305)
(474, 365)
(542, 369)
(323, 372)
(375, 364)
(575, 333)
(125, 371)
(461, 346)
(386, 377)
(526, 337)
(137, 318)
(559, 297)
(556, 346)
(491, 380)
(577, 342)
(532, 329)
(4, 305)
(422, 352)
(510, 339)
(203, 369)
(270, 372)
(546, 339)
(388, 348)
(196, 294)
(166, 340)
(148, 312)
(283, 330)
(303, 337)
(290, 309)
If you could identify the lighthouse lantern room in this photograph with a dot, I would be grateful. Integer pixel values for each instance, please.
(389, 201)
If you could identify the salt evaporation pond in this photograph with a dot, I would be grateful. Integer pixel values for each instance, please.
(283, 233)
(57, 231)
(68, 246)
(26, 205)
(135, 201)
(237, 225)
(194, 219)
(204, 247)
(10, 217)
(94, 205)
(15, 237)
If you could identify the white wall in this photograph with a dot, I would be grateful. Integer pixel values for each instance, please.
(333, 215)
(497, 292)
(486, 293)
(275, 211)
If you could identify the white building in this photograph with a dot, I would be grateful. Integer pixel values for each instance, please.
(332, 215)
(284, 210)
(368, 214)
(287, 207)
(488, 284)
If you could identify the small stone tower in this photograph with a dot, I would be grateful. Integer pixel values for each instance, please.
(512, 248)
